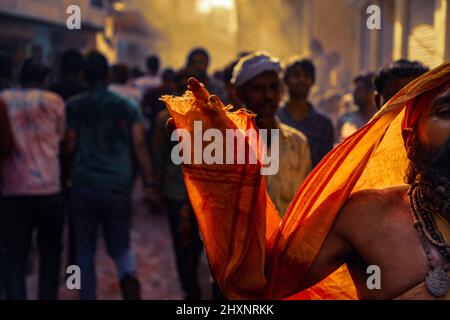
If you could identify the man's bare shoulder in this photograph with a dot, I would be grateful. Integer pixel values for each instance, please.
(375, 199)
(373, 205)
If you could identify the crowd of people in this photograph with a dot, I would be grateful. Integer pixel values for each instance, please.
(71, 149)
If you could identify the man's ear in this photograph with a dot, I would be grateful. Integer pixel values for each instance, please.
(378, 100)
(408, 138)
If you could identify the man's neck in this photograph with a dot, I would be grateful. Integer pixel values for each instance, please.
(266, 123)
(97, 85)
(32, 86)
(298, 107)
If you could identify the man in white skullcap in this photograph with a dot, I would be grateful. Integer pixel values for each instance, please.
(257, 83)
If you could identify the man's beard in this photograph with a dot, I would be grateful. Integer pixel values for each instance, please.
(430, 169)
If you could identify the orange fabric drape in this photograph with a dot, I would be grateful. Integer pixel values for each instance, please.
(254, 255)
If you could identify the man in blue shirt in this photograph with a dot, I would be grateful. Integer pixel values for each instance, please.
(299, 77)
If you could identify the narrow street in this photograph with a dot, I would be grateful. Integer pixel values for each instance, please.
(152, 245)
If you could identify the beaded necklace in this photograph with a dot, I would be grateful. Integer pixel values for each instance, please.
(437, 280)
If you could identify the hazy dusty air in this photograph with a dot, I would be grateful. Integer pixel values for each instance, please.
(111, 73)
(224, 27)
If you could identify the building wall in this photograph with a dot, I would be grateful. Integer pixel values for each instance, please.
(406, 31)
(337, 25)
(176, 27)
(425, 38)
(38, 27)
(281, 27)
(54, 11)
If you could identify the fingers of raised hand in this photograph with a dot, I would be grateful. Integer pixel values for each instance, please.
(198, 90)
(215, 103)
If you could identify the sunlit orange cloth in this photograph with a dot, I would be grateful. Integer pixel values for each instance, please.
(251, 254)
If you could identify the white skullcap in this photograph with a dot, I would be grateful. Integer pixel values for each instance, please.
(253, 65)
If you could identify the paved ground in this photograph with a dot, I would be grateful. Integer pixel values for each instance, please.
(155, 259)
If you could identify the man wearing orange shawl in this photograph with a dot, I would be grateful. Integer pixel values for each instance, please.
(352, 211)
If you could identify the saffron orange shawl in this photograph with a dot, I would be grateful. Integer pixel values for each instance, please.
(254, 255)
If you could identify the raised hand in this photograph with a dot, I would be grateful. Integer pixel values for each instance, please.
(207, 102)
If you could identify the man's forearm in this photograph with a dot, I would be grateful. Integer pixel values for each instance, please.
(145, 163)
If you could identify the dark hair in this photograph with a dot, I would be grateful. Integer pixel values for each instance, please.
(71, 62)
(306, 65)
(119, 73)
(181, 77)
(197, 51)
(168, 75)
(33, 72)
(366, 79)
(228, 71)
(152, 64)
(398, 69)
(136, 72)
(95, 67)
(5, 67)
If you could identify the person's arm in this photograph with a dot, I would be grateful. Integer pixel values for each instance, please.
(69, 141)
(141, 152)
(61, 119)
(160, 147)
(234, 212)
(143, 158)
(6, 135)
(251, 254)
(68, 155)
(335, 251)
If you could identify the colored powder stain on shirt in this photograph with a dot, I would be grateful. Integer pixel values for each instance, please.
(37, 120)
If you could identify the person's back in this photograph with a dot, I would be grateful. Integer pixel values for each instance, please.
(103, 122)
(104, 131)
(31, 200)
(38, 123)
(120, 85)
(68, 88)
(151, 104)
(152, 79)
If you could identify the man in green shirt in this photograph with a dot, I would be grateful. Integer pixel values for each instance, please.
(104, 131)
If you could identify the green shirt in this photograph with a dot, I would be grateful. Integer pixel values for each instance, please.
(103, 121)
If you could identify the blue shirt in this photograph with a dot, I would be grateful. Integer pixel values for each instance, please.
(317, 127)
